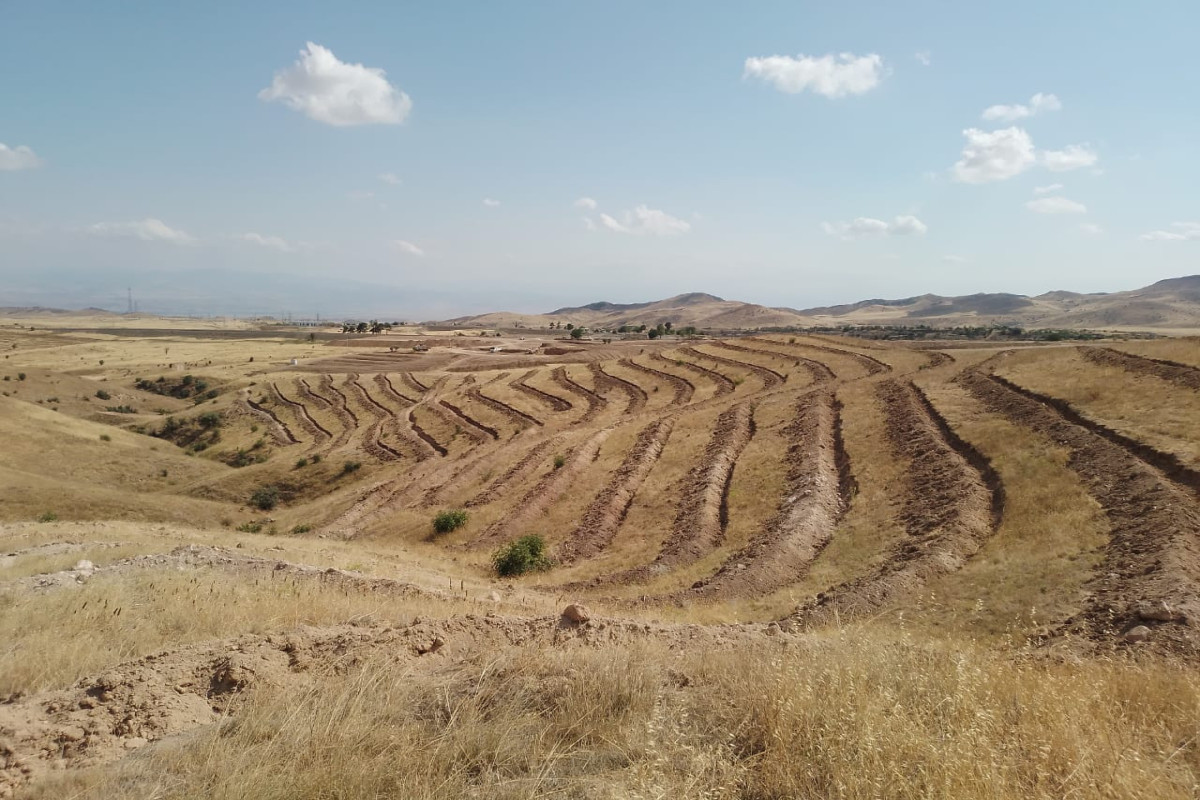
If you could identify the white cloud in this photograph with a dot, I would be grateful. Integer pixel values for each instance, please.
(1037, 104)
(490, 203)
(953, 259)
(994, 156)
(389, 177)
(337, 93)
(1054, 187)
(273, 242)
(1179, 232)
(924, 57)
(19, 157)
(408, 247)
(586, 203)
(1056, 205)
(1074, 156)
(148, 230)
(829, 75)
(646, 221)
(861, 227)
(1091, 228)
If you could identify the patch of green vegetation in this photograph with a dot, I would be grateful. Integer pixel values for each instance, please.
(527, 554)
(449, 521)
(188, 386)
(48, 516)
(265, 498)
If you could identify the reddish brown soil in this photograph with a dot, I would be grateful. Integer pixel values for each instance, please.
(952, 501)
(723, 384)
(817, 493)
(1180, 374)
(605, 382)
(595, 403)
(769, 377)
(607, 511)
(1153, 554)
(518, 416)
(873, 366)
(684, 389)
(551, 401)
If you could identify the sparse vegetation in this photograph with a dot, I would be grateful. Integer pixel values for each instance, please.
(449, 521)
(265, 498)
(524, 555)
(103, 395)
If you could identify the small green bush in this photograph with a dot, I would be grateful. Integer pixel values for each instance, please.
(20, 376)
(104, 437)
(49, 516)
(301, 529)
(559, 461)
(351, 466)
(250, 527)
(103, 395)
(449, 521)
(316, 459)
(301, 463)
(265, 498)
(527, 554)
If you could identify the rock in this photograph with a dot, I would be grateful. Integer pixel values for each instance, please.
(1139, 634)
(83, 565)
(773, 629)
(494, 597)
(576, 614)
(1158, 612)
(134, 742)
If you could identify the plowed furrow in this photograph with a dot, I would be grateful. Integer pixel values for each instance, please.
(816, 496)
(607, 511)
(373, 442)
(548, 490)
(952, 500)
(702, 512)
(1152, 560)
(310, 425)
(872, 365)
(518, 471)
(340, 409)
(454, 423)
(604, 381)
(384, 382)
(723, 384)
(411, 381)
(758, 370)
(684, 389)
(937, 358)
(595, 403)
(424, 435)
(1179, 374)
(551, 401)
(280, 432)
(769, 377)
(470, 421)
(818, 370)
(319, 400)
(1168, 464)
(518, 416)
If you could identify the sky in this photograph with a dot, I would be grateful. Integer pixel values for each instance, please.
(443, 158)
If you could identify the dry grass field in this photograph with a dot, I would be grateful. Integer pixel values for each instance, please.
(810, 567)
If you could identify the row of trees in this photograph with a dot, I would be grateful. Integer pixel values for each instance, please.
(374, 326)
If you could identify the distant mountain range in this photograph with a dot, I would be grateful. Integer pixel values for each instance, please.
(1172, 303)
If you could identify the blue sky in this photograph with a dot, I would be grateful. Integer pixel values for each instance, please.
(784, 153)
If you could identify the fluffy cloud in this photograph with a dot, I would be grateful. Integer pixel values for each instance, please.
(408, 247)
(1056, 205)
(828, 75)
(994, 156)
(148, 230)
(1179, 232)
(490, 203)
(1074, 156)
(646, 221)
(273, 242)
(861, 227)
(389, 177)
(337, 93)
(19, 157)
(586, 203)
(1037, 104)
(1054, 187)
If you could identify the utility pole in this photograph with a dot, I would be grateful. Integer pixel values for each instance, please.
(129, 306)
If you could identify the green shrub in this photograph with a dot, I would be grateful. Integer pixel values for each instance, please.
(527, 554)
(250, 527)
(49, 516)
(104, 437)
(351, 466)
(103, 395)
(301, 529)
(265, 498)
(301, 463)
(449, 521)
(559, 460)
(316, 459)
(20, 376)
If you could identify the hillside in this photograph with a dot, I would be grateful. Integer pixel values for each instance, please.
(1170, 304)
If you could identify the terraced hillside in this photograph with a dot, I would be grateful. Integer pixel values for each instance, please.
(694, 494)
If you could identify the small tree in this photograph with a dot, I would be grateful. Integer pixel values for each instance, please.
(652, 333)
(449, 521)
(527, 554)
(578, 333)
(265, 498)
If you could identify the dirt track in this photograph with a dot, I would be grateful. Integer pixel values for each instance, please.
(1153, 555)
(952, 500)
(1179, 374)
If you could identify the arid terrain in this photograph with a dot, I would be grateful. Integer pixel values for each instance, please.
(791, 565)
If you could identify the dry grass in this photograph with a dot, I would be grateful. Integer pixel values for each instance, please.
(854, 716)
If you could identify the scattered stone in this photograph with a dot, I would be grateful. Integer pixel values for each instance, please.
(576, 614)
(773, 629)
(85, 566)
(1139, 634)
(494, 597)
(1158, 612)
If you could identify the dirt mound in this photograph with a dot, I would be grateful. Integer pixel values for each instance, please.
(1179, 374)
(469, 421)
(952, 500)
(384, 382)
(817, 494)
(769, 377)
(723, 384)
(606, 382)
(551, 401)
(518, 416)
(519, 470)
(607, 511)
(1153, 556)
(872, 365)
(595, 403)
(423, 434)
(373, 441)
(684, 389)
